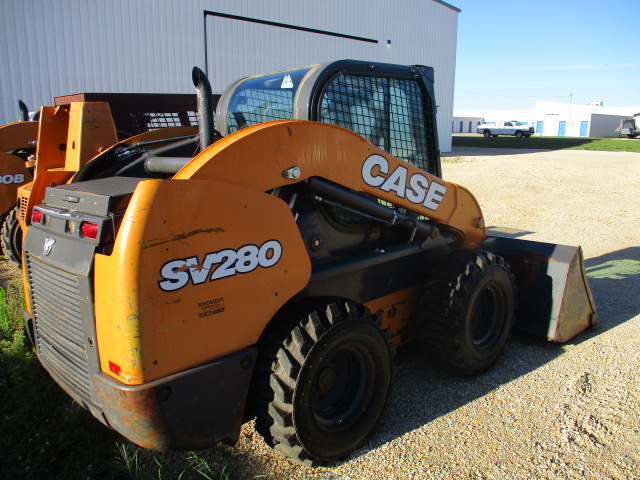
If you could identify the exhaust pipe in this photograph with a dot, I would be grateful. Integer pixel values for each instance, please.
(24, 111)
(205, 107)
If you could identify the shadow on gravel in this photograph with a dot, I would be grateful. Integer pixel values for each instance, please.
(422, 393)
(488, 152)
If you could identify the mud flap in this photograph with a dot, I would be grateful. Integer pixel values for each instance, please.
(554, 299)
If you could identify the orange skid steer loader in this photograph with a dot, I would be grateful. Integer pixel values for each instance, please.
(273, 275)
(78, 128)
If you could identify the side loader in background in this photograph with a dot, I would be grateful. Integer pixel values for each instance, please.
(81, 126)
(273, 274)
(17, 149)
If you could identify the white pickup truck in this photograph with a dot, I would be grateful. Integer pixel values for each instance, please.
(511, 127)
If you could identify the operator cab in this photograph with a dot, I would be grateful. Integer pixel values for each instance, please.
(391, 106)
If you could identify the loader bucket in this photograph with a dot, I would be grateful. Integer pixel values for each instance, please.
(553, 296)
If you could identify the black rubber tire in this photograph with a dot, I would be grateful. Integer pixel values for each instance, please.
(11, 238)
(487, 134)
(468, 309)
(519, 134)
(322, 381)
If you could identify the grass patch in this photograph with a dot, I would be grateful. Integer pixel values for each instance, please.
(44, 434)
(549, 143)
(446, 159)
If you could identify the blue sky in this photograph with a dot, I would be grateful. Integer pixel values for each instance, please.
(511, 53)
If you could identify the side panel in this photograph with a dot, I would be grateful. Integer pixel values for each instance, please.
(189, 281)
(91, 129)
(52, 138)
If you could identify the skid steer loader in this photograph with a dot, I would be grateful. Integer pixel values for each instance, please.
(79, 127)
(273, 275)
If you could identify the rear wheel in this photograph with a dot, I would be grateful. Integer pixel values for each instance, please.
(487, 134)
(321, 388)
(11, 238)
(468, 309)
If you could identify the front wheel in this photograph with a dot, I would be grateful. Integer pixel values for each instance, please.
(321, 388)
(468, 308)
(519, 134)
(11, 238)
(487, 134)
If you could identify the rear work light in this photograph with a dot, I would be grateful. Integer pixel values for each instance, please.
(89, 230)
(36, 216)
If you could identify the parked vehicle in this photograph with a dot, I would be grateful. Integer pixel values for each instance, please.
(269, 268)
(17, 161)
(130, 122)
(510, 127)
(629, 127)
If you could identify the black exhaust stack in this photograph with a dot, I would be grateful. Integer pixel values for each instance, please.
(24, 111)
(205, 107)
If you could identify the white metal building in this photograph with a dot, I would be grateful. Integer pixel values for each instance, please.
(61, 47)
(552, 119)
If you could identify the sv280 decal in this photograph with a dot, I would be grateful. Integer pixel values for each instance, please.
(177, 273)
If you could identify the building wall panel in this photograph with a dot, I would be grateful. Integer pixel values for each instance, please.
(70, 46)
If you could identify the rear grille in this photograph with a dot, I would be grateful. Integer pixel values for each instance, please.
(57, 315)
(24, 201)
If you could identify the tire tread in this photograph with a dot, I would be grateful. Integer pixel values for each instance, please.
(443, 307)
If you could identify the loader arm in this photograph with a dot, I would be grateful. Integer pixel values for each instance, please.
(275, 154)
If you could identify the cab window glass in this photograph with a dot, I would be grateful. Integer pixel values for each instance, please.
(264, 98)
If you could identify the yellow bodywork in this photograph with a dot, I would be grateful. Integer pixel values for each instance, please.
(70, 136)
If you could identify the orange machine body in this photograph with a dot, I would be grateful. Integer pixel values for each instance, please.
(16, 140)
(154, 291)
(202, 265)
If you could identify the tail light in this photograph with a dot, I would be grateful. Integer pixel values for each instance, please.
(89, 230)
(36, 217)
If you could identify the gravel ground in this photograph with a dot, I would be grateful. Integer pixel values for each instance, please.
(545, 411)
